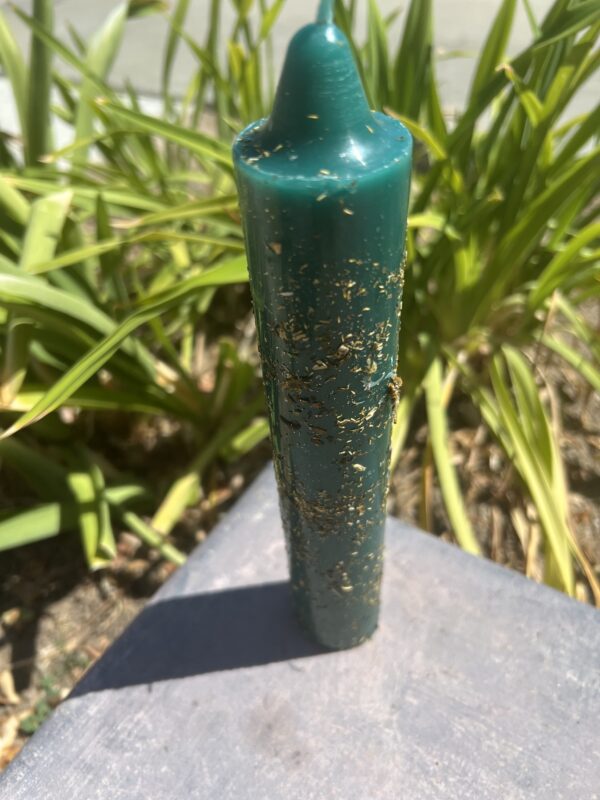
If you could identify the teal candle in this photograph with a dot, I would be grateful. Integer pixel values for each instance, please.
(323, 186)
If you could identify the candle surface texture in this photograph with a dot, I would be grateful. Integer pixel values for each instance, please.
(324, 184)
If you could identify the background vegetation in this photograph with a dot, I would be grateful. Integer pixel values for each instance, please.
(123, 305)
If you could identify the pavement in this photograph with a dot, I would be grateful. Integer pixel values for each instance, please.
(479, 684)
(461, 26)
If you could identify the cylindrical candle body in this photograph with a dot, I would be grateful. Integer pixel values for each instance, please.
(324, 219)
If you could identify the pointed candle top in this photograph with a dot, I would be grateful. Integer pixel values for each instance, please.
(325, 13)
(321, 123)
(320, 92)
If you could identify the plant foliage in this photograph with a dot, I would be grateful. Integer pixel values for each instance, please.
(115, 252)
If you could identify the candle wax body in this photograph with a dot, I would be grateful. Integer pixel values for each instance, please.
(324, 218)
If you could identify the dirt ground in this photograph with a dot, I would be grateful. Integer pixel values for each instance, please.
(506, 528)
(57, 618)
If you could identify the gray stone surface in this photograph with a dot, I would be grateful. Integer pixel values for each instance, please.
(479, 684)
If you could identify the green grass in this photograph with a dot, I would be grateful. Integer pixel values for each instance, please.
(111, 271)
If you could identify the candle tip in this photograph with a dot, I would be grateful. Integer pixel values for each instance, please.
(325, 13)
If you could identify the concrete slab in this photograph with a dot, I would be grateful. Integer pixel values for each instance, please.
(479, 685)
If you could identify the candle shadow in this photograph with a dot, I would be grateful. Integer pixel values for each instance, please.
(196, 634)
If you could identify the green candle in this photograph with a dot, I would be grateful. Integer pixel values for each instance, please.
(324, 185)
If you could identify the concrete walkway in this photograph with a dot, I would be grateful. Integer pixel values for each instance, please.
(478, 685)
(460, 25)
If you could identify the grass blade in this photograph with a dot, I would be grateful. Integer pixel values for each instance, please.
(13, 203)
(438, 435)
(576, 359)
(411, 67)
(149, 536)
(18, 527)
(520, 242)
(38, 131)
(535, 28)
(188, 487)
(377, 48)
(15, 69)
(198, 143)
(99, 58)
(247, 439)
(400, 428)
(84, 491)
(48, 216)
(559, 267)
(533, 465)
(197, 210)
(177, 22)
(94, 398)
(571, 21)
(269, 19)
(233, 271)
(16, 357)
(424, 135)
(111, 245)
(493, 48)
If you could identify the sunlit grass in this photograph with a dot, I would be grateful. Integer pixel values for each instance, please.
(110, 271)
